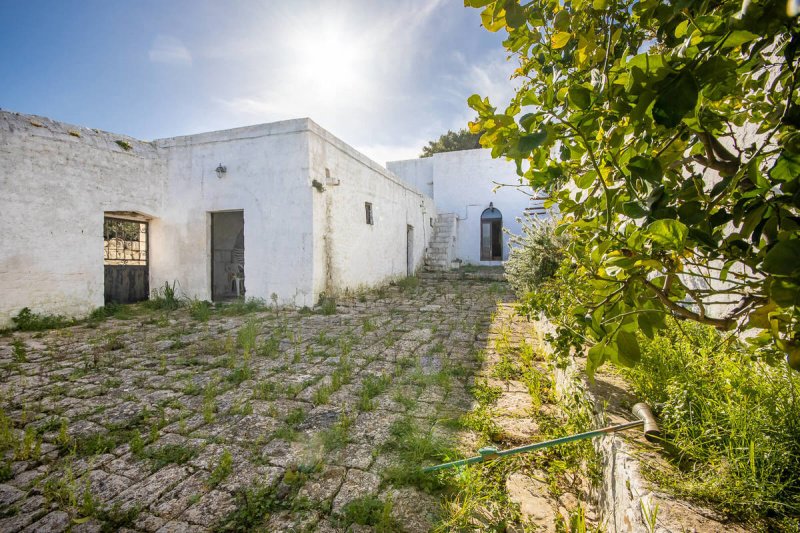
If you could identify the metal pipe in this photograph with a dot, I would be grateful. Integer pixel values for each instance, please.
(640, 410)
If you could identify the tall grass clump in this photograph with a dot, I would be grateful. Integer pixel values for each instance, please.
(164, 298)
(732, 424)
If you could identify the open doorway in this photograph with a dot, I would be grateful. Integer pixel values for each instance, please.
(491, 234)
(410, 250)
(125, 258)
(227, 255)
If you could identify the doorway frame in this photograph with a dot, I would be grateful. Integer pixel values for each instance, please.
(210, 240)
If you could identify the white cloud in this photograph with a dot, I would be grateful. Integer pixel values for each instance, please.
(169, 50)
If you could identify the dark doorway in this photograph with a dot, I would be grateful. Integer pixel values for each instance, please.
(227, 255)
(410, 250)
(125, 260)
(491, 234)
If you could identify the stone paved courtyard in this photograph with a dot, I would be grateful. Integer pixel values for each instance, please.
(273, 419)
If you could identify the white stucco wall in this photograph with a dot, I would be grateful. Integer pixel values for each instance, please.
(267, 177)
(54, 188)
(350, 253)
(462, 184)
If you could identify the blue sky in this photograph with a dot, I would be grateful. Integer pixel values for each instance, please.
(385, 76)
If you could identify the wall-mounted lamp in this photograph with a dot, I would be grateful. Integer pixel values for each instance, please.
(491, 206)
(221, 170)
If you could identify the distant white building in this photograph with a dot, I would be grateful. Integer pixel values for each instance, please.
(282, 210)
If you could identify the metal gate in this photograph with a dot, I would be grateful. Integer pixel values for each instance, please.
(125, 254)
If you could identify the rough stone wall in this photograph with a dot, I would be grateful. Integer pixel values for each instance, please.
(56, 181)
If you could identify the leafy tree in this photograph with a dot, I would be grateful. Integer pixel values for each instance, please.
(452, 141)
(667, 134)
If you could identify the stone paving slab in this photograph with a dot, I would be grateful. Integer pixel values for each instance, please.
(163, 422)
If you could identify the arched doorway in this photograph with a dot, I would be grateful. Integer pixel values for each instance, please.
(491, 234)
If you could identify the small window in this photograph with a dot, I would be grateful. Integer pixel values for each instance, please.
(368, 208)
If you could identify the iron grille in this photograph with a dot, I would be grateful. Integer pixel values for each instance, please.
(124, 242)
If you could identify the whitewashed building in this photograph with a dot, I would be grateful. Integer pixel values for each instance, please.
(280, 211)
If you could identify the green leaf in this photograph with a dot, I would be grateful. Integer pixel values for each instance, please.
(668, 232)
(784, 292)
(738, 38)
(534, 140)
(676, 98)
(526, 120)
(628, 353)
(585, 180)
(634, 209)
(580, 96)
(515, 14)
(646, 167)
(560, 39)
(595, 357)
(691, 212)
(645, 325)
(787, 167)
(783, 259)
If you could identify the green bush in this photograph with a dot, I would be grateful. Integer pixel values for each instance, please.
(27, 320)
(535, 255)
(732, 424)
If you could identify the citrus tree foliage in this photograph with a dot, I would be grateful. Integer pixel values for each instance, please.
(667, 134)
(452, 141)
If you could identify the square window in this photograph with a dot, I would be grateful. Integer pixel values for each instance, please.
(368, 208)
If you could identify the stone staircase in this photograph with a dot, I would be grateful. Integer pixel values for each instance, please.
(440, 253)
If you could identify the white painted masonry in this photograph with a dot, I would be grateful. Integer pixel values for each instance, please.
(57, 181)
(301, 190)
(461, 183)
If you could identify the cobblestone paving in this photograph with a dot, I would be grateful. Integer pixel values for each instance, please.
(278, 420)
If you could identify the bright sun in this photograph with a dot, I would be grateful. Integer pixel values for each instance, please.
(331, 61)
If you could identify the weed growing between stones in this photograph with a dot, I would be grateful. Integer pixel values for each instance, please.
(200, 310)
(371, 387)
(414, 448)
(222, 470)
(19, 353)
(369, 511)
(255, 504)
(338, 435)
(327, 305)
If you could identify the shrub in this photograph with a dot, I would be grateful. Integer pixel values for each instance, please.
(535, 255)
(27, 320)
(733, 423)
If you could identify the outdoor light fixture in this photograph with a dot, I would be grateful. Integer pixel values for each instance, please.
(491, 204)
(221, 170)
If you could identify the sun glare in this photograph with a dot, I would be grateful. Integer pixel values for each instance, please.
(331, 61)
